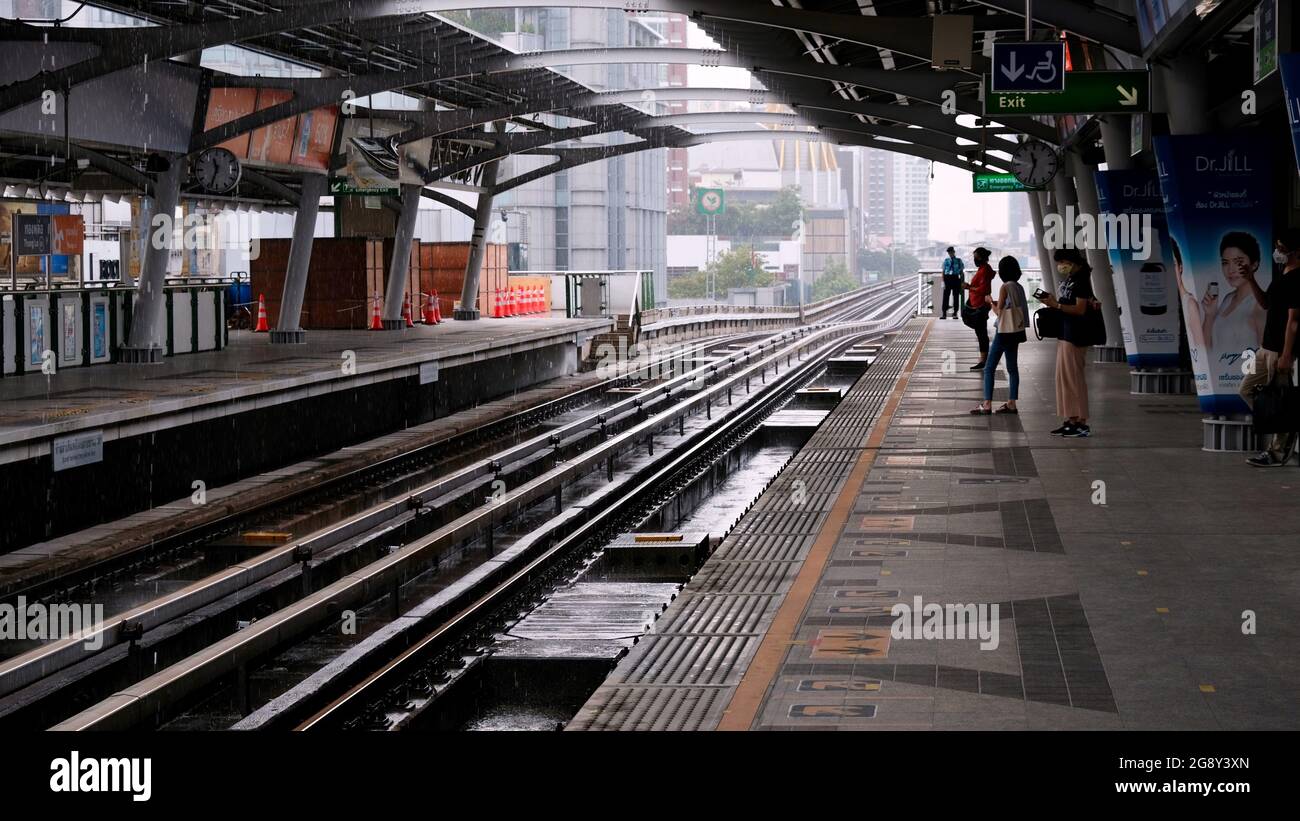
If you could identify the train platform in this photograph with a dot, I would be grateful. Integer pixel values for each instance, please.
(127, 400)
(1126, 581)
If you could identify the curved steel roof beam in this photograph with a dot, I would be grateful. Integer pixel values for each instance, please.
(570, 158)
(312, 93)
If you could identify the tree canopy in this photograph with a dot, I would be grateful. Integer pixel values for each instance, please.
(734, 269)
(905, 262)
(835, 280)
(744, 221)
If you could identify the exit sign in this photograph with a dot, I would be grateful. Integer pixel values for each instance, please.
(997, 184)
(1086, 92)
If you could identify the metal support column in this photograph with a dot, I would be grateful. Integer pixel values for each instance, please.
(1103, 282)
(147, 342)
(288, 326)
(478, 241)
(400, 264)
(1184, 80)
(1038, 209)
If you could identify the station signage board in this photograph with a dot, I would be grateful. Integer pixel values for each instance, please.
(1086, 92)
(987, 183)
(1028, 67)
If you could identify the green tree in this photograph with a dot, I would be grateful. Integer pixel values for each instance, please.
(734, 269)
(878, 262)
(835, 280)
(744, 221)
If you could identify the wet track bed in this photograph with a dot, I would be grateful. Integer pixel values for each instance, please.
(472, 561)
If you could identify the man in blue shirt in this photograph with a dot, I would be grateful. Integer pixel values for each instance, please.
(954, 271)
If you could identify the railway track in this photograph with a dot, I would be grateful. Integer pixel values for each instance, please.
(371, 554)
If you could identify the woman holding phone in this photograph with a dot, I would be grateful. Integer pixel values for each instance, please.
(1075, 298)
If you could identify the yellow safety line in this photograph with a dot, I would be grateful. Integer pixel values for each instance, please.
(747, 701)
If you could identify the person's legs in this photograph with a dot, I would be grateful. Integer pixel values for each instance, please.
(1280, 443)
(1081, 382)
(1258, 378)
(982, 335)
(991, 367)
(1013, 370)
(949, 296)
(1062, 373)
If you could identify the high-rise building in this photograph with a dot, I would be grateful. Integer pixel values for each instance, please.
(610, 214)
(896, 199)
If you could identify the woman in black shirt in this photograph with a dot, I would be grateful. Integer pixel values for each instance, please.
(1074, 297)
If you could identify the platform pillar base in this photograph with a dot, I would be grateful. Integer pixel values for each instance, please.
(1228, 433)
(298, 337)
(152, 355)
(1161, 381)
(1109, 353)
(394, 324)
(465, 313)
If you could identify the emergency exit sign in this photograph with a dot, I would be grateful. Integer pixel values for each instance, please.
(1086, 92)
(997, 184)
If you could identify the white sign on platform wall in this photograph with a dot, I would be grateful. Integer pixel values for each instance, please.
(75, 450)
(428, 372)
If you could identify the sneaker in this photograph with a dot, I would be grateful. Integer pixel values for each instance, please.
(1265, 460)
(1078, 432)
(1064, 430)
(979, 366)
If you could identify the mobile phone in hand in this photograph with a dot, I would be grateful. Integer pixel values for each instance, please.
(1039, 294)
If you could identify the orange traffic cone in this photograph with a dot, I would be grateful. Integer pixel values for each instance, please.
(498, 309)
(406, 311)
(376, 320)
(262, 326)
(437, 309)
(537, 300)
(429, 318)
(512, 303)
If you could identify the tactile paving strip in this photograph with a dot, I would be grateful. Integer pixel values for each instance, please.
(681, 676)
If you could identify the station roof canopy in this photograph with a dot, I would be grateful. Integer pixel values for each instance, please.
(854, 72)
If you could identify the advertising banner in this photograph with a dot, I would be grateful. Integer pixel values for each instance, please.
(1290, 65)
(1144, 273)
(1218, 195)
(303, 140)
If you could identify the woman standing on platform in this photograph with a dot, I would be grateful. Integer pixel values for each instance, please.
(980, 286)
(1075, 298)
(1011, 307)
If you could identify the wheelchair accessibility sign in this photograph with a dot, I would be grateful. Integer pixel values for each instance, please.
(1028, 67)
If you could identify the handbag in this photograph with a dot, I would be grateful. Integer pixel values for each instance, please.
(1277, 409)
(1049, 323)
(973, 317)
(1012, 318)
(1091, 328)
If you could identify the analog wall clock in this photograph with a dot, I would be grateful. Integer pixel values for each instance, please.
(217, 170)
(1035, 163)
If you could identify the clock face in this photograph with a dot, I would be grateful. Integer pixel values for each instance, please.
(217, 170)
(1035, 163)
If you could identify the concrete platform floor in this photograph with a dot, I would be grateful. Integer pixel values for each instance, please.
(34, 407)
(1142, 583)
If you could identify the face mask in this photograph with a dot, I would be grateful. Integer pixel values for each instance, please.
(1279, 257)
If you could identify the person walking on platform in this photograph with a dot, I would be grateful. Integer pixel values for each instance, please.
(1076, 300)
(1011, 308)
(977, 317)
(954, 271)
(1277, 350)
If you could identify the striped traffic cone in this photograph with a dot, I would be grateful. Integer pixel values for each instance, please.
(437, 309)
(498, 305)
(429, 317)
(406, 311)
(262, 325)
(376, 320)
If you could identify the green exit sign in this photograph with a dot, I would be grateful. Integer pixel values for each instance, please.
(997, 184)
(1086, 92)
